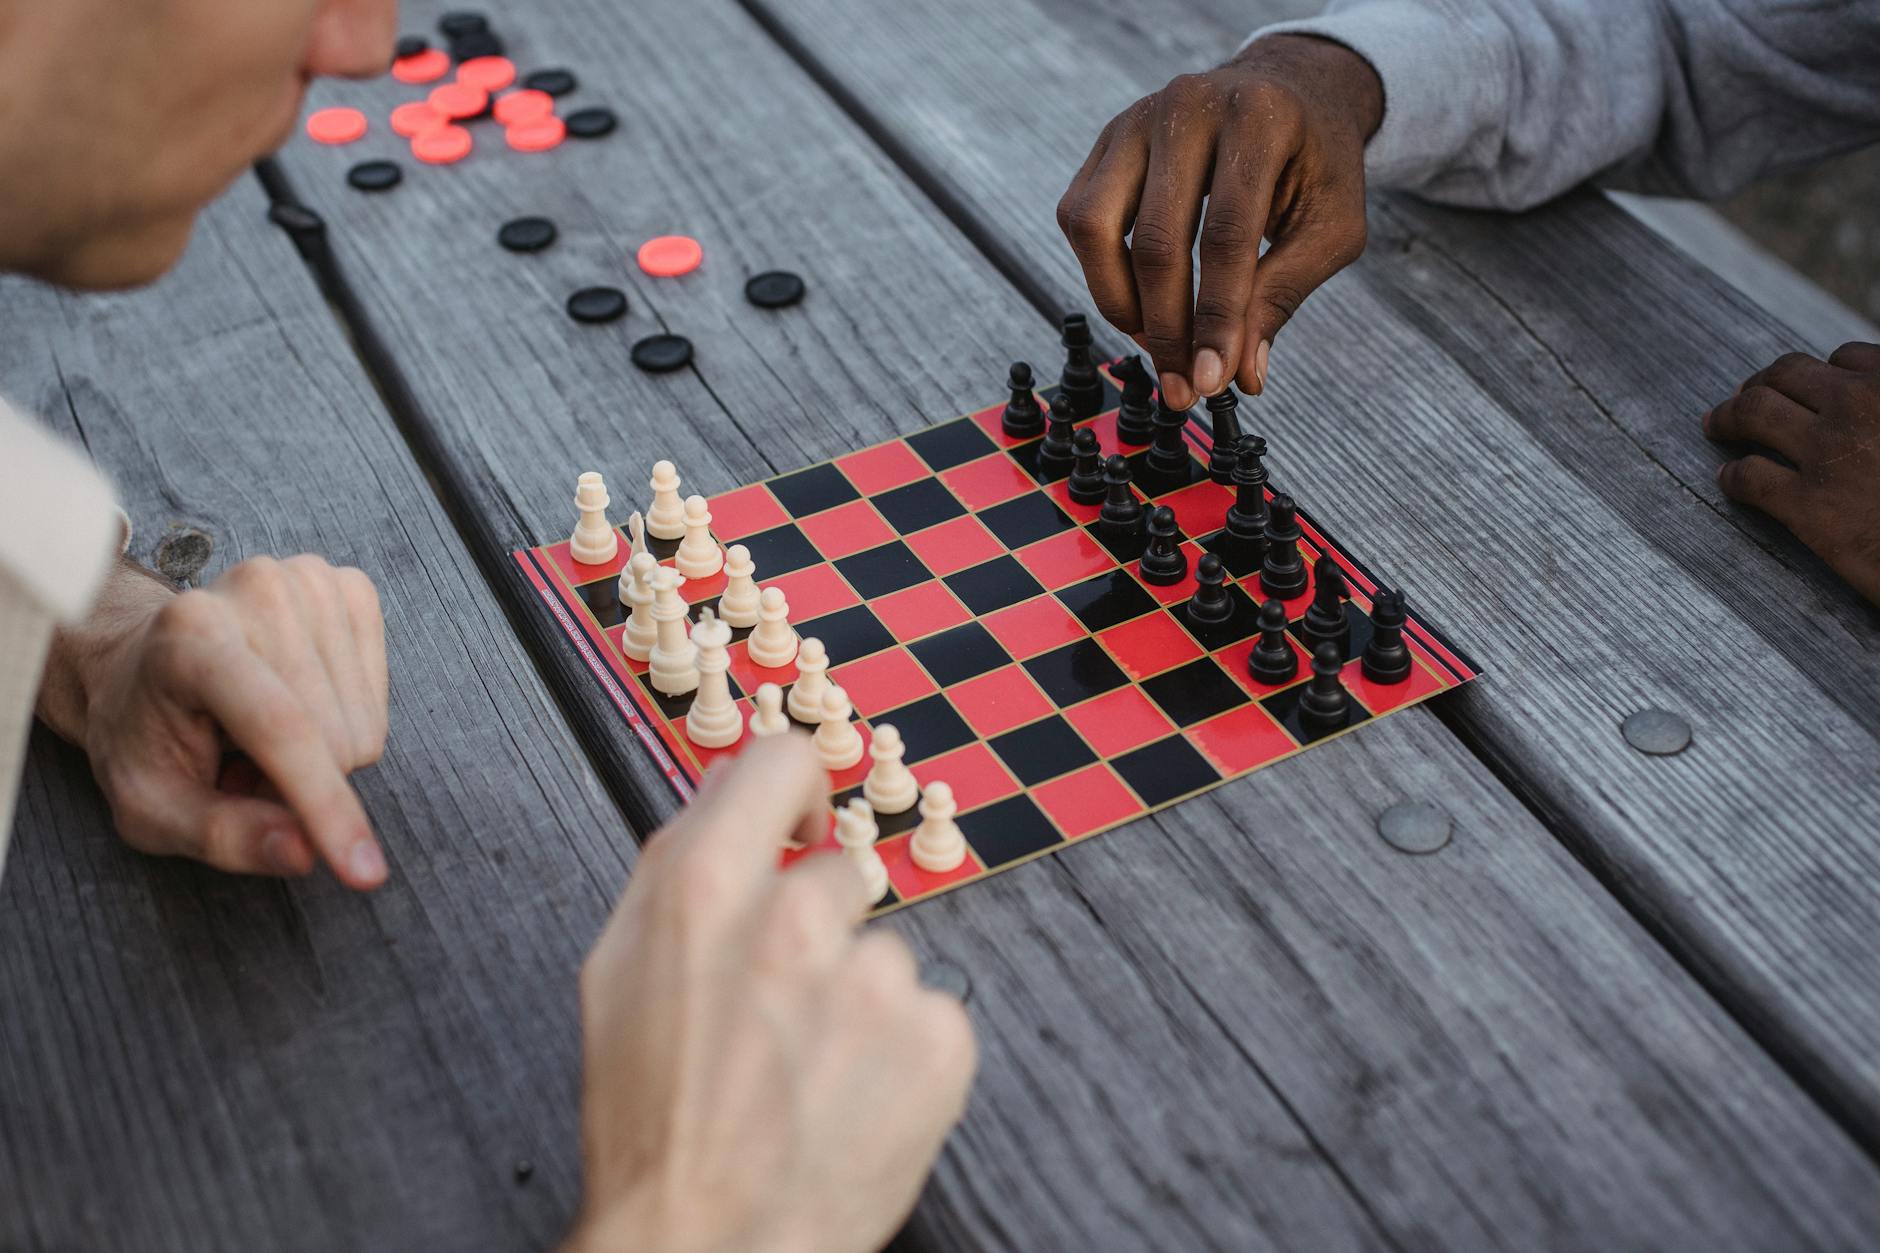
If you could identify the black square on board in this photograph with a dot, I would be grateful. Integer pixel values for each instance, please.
(1027, 457)
(813, 490)
(1242, 557)
(1012, 829)
(1042, 750)
(849, 634)
(993, 585)
(1106, 600)
(673, 707)
(929, 726)
(961, 653)
(1284, 706)
(918, 505)
(1167, 769)
(1153, 484)
(780, 550)
(1031, 517)
(603, 601)
(1128, 546)
(885, 824)
(1242, 623)
(879, 571)
(951, 443)
(1076, 672)
(1195, 692)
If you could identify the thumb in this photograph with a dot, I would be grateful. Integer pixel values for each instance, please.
(239, 834)
(1292, 269)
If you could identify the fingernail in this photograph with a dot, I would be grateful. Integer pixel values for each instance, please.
(1207, 371)
(281, 850)
(1259, 361)
(365, 863)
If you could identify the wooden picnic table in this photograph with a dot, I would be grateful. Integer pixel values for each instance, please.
(1631, 1004)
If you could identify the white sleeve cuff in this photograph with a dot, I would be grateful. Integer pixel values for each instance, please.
(60, 528)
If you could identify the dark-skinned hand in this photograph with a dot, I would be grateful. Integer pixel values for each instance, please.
(1273, 143)
(1821, 419)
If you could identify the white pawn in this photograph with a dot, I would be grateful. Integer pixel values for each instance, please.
(890, 787)
(812, 680)
(773, 643)
(636, 593)
(713, 720)
(738, 605)
(767, 718)
(699, 556)
(594, 542)
(674, 659)
(838, 742)
(636, 534)
(938, 844)
(856, 832)
(666, 519)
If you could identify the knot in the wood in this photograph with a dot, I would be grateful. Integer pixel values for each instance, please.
(183, 553)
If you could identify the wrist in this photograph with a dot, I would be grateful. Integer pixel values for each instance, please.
(83, 654)
(1346, 81)
(632, 1223)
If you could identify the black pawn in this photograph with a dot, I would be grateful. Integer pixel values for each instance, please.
(1226, 452)
(1164, 563)
(1087, 485)
(1210, 602)
(1386, 660)
(1122, 512)
(1023, 416)
(1282, 574)
(1273, 661)
(1246, 517)
(1057, 449)
(1325, 705)
(1135, 421)
(1168, 456)
(1080, 383)
(1325, 621)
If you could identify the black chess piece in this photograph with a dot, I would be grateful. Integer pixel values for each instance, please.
(1087, 485)
(1164, 563)
(1023, 417)
(1056, 450)
(1246, 517)
(1282, 573)
(1222, 407)
(1080, 384)
(1386, 659)
(1210, 603)
(1325, 620)
(1122, 512)
(1168, 455)
(1325, 705)
(1135, 420)
(1273, 661)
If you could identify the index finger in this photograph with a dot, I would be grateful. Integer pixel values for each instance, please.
(774, 789)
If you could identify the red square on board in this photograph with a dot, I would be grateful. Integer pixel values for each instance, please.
(1241, 739)
(745, 511)
(1090, 800)
(989, 481)
(616, 635)
(954, 545)
(975, 775)
(882, 468)
(993, 704)
(1060, 492)
(1151, 644)
(919, 611)
(909, 880)
(748, 676)
(846, 529)
(886, 680)
(579, 572)
(1201, 508)
(813, 592)
(692, 591)
(1175, 593)
(1065, 558)
(842, 780)
(1118, 721)
(1034, 627)
(1234, 660)
(708, 757)
(992, 422)
(1381, 698)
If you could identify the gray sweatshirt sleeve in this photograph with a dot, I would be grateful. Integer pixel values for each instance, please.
(1507, 103)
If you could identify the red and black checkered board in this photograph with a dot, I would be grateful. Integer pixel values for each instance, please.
(983, 614)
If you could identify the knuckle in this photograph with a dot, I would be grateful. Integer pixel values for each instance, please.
(192, 613)
(1187, 93)
(1215, 313)
(1228, 235)
(882, 972)
(1154, 249)
(1082, 222)
(1283, 300)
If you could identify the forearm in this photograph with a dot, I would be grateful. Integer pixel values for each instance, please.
(82, 651)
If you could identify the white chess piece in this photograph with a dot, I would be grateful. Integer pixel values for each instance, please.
(838, 742)
(636, 534)
(738, 604)
(713, 720)
(812, 680)
(767, 718)
(938, 845)
(699, 556)
(594, 542)
(666, 518)
(773, 643)
(890, 787)
(674, 659)
(636, 593)
(856, 832)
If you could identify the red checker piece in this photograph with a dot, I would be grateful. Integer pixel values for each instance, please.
(846, 529)
(1090, 800)
(1234, 659)
(988, 481)
(489, 73)
(1381, 698)
(882, 468)
(1149, 645)
(745, 511)
(458, 100)
(1241, 739)
(993, 704)
(523, 106)
(426, 67)
(813, 592)
(444, 145)
(1200, 508)
(1034, 627)
(669, 256)
(910, 881)
(919, 611)
(954, 545)
(415, 117)
(1175, 593)
(1116, 722)
(887, 680)
(335, 126)
(975, 775)
(536, 135)
(1065, 558)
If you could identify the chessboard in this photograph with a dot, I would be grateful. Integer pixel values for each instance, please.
(967, 598)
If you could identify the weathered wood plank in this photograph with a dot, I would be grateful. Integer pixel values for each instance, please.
(1518, 435)
(1143, 995)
